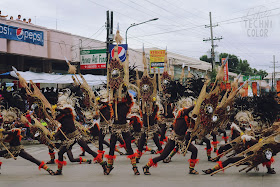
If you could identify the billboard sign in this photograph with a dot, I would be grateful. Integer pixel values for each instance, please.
(93, 59)
(252, 78)
(121, 51)
(22, 35)
(157, 59)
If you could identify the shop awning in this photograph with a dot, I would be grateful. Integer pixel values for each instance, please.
(54, 78)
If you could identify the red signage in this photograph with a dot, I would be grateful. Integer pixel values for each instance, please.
(225, 70)
(278, 88)
(93, 66)
(255, 88)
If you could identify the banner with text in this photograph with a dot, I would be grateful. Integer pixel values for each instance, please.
(225, 70)
(22, 35)
(93, 59)
(252, 78)
(157, 59)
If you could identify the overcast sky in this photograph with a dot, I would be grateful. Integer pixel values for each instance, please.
(181, 24)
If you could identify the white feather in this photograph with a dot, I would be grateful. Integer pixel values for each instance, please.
(247, 137)
(234, 126)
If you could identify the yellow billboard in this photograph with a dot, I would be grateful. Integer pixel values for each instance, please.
(157, 59)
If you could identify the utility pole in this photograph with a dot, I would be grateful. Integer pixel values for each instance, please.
(108, 32)
(109, 28)
(212, 41)
(273, 74)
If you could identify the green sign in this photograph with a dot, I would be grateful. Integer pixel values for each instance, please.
(252, 78)
(93, 59)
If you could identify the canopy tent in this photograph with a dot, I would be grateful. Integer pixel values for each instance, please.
(54, 78)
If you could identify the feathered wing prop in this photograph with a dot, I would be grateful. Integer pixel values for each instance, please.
(43, 102)
(22, 81)
(118, 37)
(190, 75)
(223, 99)
(159, 82)
(182, 74)
(71, 69)
(255, 155)
(39, 94)
(172, 72)
(126, 77)
(219, 76)
(88, 91)
(200, 99)
(234, 84)
(75, 81)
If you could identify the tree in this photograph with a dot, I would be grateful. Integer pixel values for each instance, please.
(262, 73)
(205, 59)
(232, 61)
(237, 66)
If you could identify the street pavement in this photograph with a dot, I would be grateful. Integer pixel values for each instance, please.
(22, 173)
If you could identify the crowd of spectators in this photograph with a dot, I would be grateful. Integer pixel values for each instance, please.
(18, 18)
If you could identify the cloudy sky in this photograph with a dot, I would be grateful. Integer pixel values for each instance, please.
(250, 29)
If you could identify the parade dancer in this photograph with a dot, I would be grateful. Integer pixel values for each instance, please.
(249, 141)
(120, 128)
(150, 129)
(94, 133)
(69, 136)
(13, 137)
(118, 84)
(178, 137)
(69, 154)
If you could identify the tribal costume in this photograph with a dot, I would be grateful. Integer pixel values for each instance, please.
(13, 137)
(167, 118)
(120, 128)
(69, 135)
(248, 141)
(150, 130)
(177, 138)
(16, 149)
(94, 133)
(69, 154)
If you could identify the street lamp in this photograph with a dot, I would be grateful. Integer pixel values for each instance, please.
(135, 24)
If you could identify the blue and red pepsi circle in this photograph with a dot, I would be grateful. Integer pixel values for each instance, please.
(121, 53)
(19, 33)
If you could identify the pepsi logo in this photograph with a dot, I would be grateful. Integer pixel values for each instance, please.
(19, 33)
(121, 53)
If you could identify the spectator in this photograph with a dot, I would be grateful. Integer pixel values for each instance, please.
(29, 20)
(11, 18)
(2, 15)
(24, 20)
(19, 17)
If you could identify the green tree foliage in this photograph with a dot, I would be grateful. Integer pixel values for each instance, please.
(205, 59)
(236, 65)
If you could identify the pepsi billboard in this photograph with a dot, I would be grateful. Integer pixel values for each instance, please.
(121, 51)
(22, 35)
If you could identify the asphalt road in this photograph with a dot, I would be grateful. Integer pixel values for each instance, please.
(23, 173)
